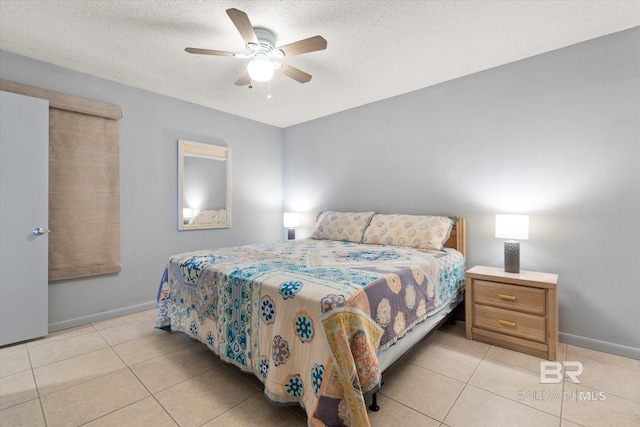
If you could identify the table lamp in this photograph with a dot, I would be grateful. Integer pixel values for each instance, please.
(291, 221)
(512, 227)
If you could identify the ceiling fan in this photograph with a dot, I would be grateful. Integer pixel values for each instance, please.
(260, 44)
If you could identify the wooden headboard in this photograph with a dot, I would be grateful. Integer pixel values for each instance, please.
(458, 238)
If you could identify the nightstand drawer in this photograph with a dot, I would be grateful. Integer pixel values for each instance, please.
(509, 322)
(511, 297)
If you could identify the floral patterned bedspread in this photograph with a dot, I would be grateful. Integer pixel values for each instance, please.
(307, 317)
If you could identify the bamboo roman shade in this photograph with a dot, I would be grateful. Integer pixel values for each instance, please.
(84, 195)
(84, 184)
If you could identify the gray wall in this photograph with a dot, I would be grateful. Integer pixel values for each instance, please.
(556, 136)
(149, 131)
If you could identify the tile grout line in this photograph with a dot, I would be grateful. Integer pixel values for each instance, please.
(40, 396)
(466, 383)
(409, 407)
(428, 343)
(585, 360)
(152, 395)
(166, 411)
(82, 382)
(184, 380)
(33, 375)
(563, 385)
(500, 396)
(443, 345)
(224, 412)
(99, 331)
(237, 372)
(71, 357)
(85, 382)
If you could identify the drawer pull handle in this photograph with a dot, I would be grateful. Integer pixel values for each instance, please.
(509, 297)
(506, 323)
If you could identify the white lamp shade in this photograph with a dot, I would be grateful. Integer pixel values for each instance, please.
(260, 69)
(515, 227)
(291, 220)
(187, 213)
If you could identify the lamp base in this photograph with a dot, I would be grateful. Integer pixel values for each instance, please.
(291, 234)
(512, 256)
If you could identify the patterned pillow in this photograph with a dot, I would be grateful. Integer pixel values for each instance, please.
(344, 226)
(414, 231)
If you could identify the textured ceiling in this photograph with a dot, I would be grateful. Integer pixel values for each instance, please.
(376, 49)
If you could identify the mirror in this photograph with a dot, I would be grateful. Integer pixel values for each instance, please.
(204, 186)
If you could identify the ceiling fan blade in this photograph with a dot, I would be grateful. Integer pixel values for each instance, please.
(198, 51)
(242, 23)
(294, 73)
(311, 44)
(244, 79)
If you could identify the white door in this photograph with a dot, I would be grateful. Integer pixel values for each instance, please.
(24, 204)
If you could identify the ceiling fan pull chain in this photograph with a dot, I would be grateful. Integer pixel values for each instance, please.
(269, 94)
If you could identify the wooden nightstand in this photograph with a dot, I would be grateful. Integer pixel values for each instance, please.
(514, 310)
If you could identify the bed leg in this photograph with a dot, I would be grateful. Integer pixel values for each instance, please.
(374, 403)
(452, 315)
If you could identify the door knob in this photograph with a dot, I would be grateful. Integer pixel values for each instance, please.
(39, 231)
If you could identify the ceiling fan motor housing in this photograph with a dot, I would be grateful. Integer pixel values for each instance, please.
(266, 44)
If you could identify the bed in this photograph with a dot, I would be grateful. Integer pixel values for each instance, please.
(318, 320)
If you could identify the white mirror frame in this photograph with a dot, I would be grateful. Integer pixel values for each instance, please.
(206, 151)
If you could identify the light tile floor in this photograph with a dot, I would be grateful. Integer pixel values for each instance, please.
(123, 372)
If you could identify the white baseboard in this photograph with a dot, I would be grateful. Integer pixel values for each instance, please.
(607, 347)
(79, 321)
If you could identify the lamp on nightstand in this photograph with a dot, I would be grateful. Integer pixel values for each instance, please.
(187, 213)
(512, 227)
(291, 221)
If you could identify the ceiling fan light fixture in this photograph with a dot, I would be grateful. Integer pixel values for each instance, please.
(260, 69)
